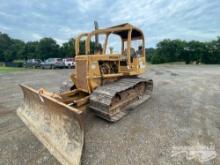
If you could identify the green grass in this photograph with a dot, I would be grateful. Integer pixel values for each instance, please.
(4, 69)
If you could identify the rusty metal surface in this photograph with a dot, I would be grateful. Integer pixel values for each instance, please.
(102, 99)
(58, 126)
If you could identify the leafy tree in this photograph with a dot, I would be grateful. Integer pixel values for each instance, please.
(194, 51)
(5, 43)
(170, 50)
(18, 48)
(10, 49)
(9, 55)
(149, 52)
(68, 48)
(30, 50)
(156, 59)
(48, 48)
(212, 53)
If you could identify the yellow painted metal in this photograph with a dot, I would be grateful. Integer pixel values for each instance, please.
(92, 79)
(59, 126)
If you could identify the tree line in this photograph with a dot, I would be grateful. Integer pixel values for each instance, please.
(15, 49)
(165, 51)
(180, 50)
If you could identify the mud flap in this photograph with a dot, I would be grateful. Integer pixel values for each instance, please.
(58, 126)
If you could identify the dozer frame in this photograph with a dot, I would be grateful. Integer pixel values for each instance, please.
(88, 75)
(108, 83)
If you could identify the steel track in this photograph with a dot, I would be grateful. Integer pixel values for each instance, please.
(115, 100)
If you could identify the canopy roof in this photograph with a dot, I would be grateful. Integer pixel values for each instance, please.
(121, 30)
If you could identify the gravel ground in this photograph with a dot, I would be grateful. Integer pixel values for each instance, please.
(183, 111)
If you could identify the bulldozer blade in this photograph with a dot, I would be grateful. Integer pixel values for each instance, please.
(58, 126)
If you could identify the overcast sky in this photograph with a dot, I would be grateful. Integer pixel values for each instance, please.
(159, 19)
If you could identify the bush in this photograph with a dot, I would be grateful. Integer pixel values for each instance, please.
(14, 64)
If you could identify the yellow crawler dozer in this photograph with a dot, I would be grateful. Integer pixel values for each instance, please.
(104, 81)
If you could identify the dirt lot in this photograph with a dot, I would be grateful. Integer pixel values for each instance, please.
(183, 111)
